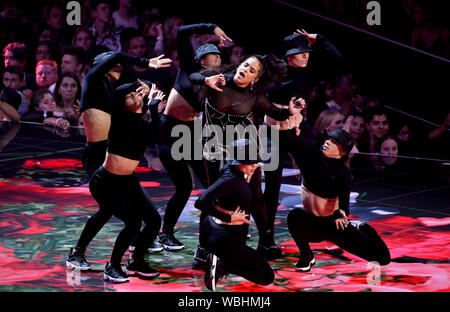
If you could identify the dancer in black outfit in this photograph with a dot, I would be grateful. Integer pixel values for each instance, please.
(96, 107)
(231, 100)
(227, 205)
(115, 186)
(310, 58)
(183, 109)
(325, 196)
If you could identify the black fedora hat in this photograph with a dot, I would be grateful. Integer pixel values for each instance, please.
(296, 43)
(343, 138)
(245, 152)
(207, 48)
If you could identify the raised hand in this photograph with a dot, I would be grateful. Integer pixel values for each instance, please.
(155, 94)
(143, 90)
(159, 62)
(224, 39)
(311, 37)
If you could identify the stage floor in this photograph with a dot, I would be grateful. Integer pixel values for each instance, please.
(45, 202)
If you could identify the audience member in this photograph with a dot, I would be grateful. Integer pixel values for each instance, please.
(13, 78)
(44, 110)
(170, 28)
(377, 129)
(9, 104)
(125, 16)
(55, 17)
(328, 121)
(74, 61)
(16, 53)
(67, 97)
(234, 55)
(46, 74)
(83, 38)
(355, 125)
(152, 29)
(103, 27)
(133, 42)
(46, 33)
(45, 50)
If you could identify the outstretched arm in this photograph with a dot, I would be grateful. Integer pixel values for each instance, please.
(184, 47)
(113, 58)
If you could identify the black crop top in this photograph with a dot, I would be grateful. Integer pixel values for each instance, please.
(323, 176)
(129, 134)
(239, 101)
(188, 65)
(95, 92)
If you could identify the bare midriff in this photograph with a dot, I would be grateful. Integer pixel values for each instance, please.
(96, 124)
(279, 125)
(119, 165)
(318, 206)
(177, 107)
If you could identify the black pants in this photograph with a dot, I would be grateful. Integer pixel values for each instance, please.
(123, 197)
(364, 242)
(179, 172)
(93, 156)
(288, 144)
(228, 243)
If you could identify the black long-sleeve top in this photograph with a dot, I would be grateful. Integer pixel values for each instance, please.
(323, 176)
(188, 65)
(130, 134)
(299, 82)
(229, 191)
(239, 101)
(95, 92)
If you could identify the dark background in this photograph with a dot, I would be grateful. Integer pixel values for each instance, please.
(402, 78)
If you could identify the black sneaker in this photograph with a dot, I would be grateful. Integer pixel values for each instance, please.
(357, 224)
(76, 260)
(114, 274)
(200, 256)
(215, 270)
(305, 262)
(155, 247)
(169, 242)
(270, 252)
(141, 268)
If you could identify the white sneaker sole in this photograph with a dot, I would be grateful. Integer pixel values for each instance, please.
(115, 280)
(172, 248)
(213, 272)
(72, 266)
(150, 250)
(155, 250)
(306, 269)
(143, 274)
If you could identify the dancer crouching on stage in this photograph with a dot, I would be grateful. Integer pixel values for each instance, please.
(325, 194)
(227, 205)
